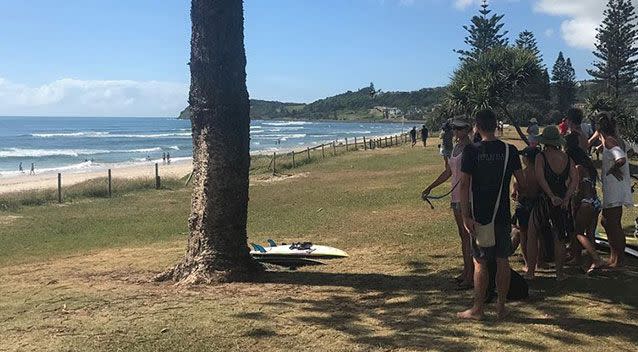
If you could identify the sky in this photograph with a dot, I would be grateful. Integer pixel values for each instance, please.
(128, 57)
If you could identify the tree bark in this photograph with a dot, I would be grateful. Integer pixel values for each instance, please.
(217, 245)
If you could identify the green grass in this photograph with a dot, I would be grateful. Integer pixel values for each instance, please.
(76, 277)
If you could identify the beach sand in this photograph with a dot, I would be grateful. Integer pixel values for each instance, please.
(50, 180)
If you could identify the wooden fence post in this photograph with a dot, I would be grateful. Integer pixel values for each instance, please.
(157, 177)
(346, 144)
(334, 149)
(60, 188)
(293, 159)
(386, 141)
(355, 143)
(323, 152)
(110, 193)
(365, 146)
(274, 163)
(308, 153)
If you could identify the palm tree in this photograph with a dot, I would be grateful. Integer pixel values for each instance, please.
(217, 245)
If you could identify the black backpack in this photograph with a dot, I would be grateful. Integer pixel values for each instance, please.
(519, 290)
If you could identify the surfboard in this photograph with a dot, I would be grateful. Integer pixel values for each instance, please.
(631, 241)
(630, 251)
(297, 250)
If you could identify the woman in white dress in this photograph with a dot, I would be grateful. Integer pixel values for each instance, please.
(616, 181)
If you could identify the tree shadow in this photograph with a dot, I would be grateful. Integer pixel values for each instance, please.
(417, 310)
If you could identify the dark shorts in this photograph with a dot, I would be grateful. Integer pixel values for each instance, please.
(523, 212)
(503, 248)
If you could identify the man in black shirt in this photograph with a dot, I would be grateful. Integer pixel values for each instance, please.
(413, 136)
(424, 135)
(482, 169)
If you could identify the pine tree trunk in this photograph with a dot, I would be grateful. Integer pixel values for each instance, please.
(217, 245)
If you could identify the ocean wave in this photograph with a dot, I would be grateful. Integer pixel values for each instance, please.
(142, 150)
(174, 147)
(287, 123)
(109, 135)
(38, 153)
(282, 137)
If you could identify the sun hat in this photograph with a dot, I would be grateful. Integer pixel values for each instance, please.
(551, 136)
(461, 121)
(533, 120)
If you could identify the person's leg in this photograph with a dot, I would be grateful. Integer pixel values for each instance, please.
(583, 222)
(480, 287)
(613, 226)
(523, 236)
(502, 285)
(559, 258)
(466, 249)
(532, 247)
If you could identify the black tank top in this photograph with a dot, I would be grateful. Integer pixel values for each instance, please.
(556, 182)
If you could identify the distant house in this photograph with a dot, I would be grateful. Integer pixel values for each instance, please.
(389, 112)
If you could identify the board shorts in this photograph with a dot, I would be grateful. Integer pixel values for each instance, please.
(503, 248)
(523, 211)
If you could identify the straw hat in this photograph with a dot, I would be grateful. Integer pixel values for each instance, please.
(551, 136)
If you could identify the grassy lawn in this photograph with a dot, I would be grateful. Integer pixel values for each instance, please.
(76, 277)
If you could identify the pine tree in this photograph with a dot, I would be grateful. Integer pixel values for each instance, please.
(616, 52)
(527, 41)
(564, 79)
(484, 33)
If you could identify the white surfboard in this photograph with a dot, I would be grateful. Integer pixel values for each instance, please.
(293, 250)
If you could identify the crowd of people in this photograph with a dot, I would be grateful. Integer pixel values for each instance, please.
(557, 205)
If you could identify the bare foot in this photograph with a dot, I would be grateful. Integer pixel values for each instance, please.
(470, 314)
(616, 266)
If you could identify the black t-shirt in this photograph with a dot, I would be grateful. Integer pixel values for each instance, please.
(424, 133)
(484, 162)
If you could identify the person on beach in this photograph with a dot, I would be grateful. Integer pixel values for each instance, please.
(461, 128)
(32, 171)
(168, 158)
(525, 199)
(532, 132)
(556, 176)
(20, 168)
(447, 143)
(164, 158)
(587, 205)
(413, 136)
(424, 135)
(616, 184)
(487, 167)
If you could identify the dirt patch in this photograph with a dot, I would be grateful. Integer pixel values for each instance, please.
(278, 178)
(8, 219)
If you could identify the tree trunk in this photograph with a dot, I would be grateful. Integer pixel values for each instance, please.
(516, 126)
(217, 245)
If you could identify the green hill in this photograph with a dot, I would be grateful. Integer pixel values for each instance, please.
(357, 105)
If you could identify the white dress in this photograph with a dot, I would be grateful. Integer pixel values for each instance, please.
(616, 193)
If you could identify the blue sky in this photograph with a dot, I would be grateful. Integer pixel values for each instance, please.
(128, 58)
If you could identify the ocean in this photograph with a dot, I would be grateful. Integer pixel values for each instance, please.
(82, 144)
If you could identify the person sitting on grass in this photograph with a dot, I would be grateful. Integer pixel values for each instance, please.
(487, 168)
(461, 128)
(526, 199)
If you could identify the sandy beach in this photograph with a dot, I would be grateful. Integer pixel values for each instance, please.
(49, 180)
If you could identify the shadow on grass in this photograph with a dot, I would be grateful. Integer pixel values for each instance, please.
(417, 311)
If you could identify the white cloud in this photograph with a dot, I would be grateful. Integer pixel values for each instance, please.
(549, 32)
(583, 17)
(74, 97)
(463, 4)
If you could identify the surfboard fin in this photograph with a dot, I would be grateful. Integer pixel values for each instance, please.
(272, 243)
(258, 248)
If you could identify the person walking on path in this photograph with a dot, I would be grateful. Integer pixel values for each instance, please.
(413, 136)
(425, 133)
(616, 181)
(556, 175)
(452, 171)
(487, 167)
(32, 172)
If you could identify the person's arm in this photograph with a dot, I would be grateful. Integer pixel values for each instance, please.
(444, 176)
(468, 221)
(519, 176)
(542, 182)
(572, 188)
(595, 137)
(620, 158)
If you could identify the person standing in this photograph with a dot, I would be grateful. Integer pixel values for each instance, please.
(532, 132)
(447, 143)
(163, 158)
(574, 122)
(32, 172)
(616, 181)
(413, 136)
(488, 167)
(462, 129)
(424, 135)
(168, 158)
(563, 127)
(20, 168)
